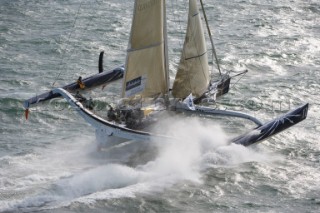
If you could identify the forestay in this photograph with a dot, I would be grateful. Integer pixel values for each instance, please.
(193, 71)
(146, 72)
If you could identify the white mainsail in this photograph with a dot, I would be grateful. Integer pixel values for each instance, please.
(146, 71)
(193, 71)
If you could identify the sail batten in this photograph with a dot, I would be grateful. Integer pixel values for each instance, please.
(193, 71)
(196, 56)
(146, 47)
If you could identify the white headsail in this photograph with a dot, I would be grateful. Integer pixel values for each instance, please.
(193, 71)
(146, 71)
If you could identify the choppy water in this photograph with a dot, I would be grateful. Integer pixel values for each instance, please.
(49, 163)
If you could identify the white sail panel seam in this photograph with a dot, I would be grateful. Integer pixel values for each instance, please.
(146, 47)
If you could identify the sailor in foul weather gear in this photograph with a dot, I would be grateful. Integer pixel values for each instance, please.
(80, 83)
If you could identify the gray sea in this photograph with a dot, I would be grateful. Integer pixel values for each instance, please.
(49, 163)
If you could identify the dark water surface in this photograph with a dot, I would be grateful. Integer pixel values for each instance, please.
(50, 163)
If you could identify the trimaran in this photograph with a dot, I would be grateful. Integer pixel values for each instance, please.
(146, 91)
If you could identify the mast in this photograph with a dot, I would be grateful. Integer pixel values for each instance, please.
(211, 40)
(165, 33)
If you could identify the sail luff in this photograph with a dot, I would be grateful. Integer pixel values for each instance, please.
(193, 70)
(146, 64)
(165, 32)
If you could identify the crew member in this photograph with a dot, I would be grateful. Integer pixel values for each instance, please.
(80, 83)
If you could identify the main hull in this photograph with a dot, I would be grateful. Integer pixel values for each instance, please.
(107, 131)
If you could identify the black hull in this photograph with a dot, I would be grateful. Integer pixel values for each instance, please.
(273, 127)
(90, 82)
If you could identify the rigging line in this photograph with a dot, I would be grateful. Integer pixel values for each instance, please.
(242, 75)
(238, 73)
(85, 28)
(211, 40)
(74, 24)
